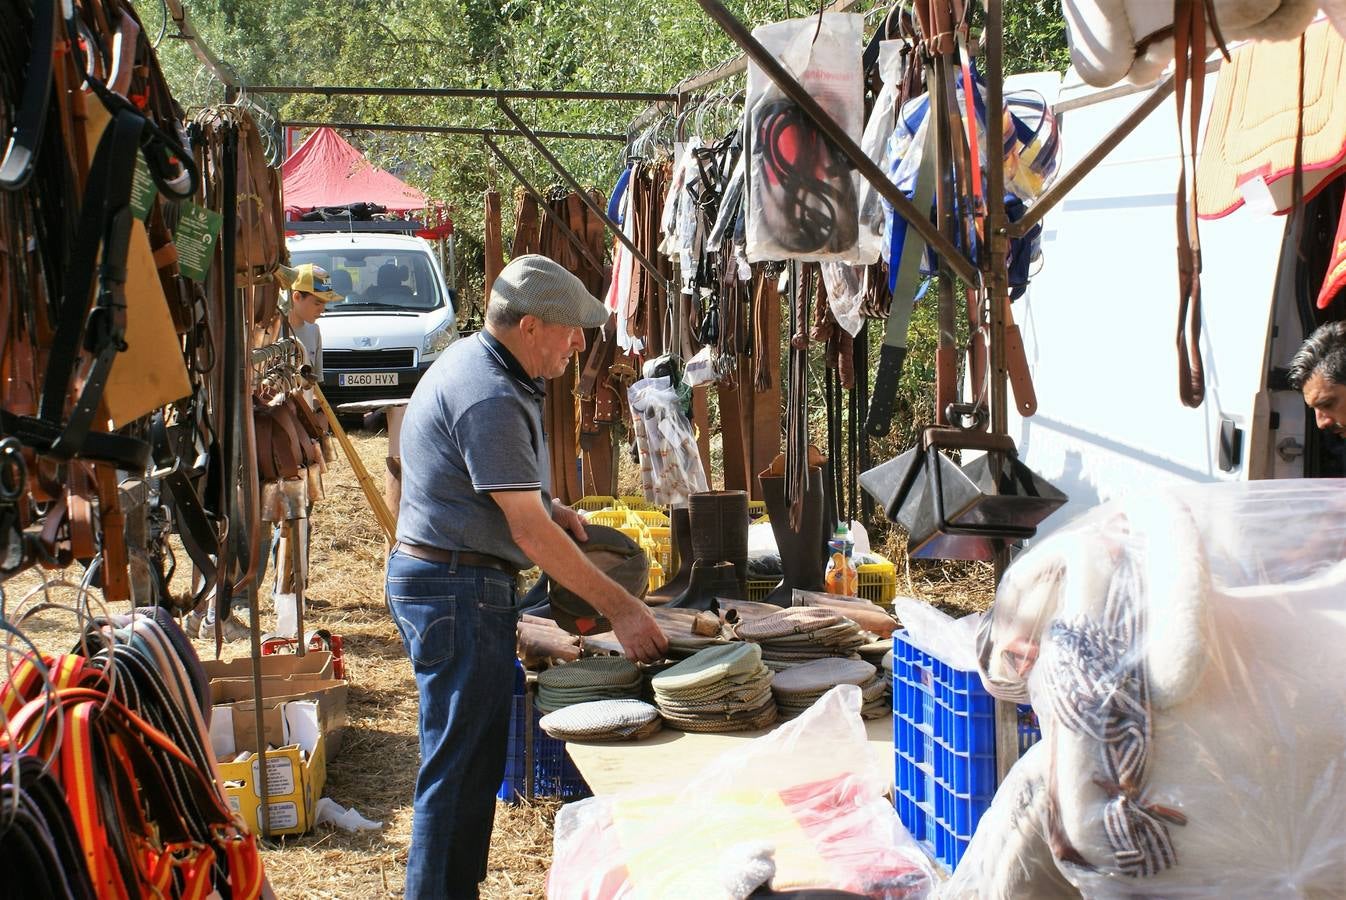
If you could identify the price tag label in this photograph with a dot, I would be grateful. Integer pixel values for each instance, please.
(198, 230)
(143, 189)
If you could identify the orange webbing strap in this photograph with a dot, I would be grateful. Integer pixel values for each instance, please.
(26, 682)
(113, 762)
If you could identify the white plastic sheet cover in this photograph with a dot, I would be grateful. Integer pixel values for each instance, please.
(802, 807)
(1184, 650)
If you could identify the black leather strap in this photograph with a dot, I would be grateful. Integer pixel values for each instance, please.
(106, 214)
(19, 163)
(199, 537)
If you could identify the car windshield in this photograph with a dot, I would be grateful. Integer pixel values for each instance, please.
(383, 278)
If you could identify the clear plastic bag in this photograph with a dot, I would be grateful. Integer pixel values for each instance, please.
(670, 464)
(1183, 650)
(804, 807)
(802, 198)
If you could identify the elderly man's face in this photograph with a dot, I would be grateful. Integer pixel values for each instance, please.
(554, 345)
(1328, 401)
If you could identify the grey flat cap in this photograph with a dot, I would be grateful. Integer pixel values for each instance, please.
(535, 285)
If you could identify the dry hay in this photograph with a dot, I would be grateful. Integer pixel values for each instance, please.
(956, 587)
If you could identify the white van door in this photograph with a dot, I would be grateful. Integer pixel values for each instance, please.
(1099, 323)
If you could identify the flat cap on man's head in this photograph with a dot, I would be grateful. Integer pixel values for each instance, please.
(538, 286)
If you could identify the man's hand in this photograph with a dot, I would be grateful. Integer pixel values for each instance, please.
(568, 519)
(639, 633)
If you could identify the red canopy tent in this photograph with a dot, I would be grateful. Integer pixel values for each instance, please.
(327, 171)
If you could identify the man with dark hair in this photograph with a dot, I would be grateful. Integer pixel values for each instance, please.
(1318, 369)
(475, 510)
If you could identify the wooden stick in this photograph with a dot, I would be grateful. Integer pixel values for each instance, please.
(381, 513)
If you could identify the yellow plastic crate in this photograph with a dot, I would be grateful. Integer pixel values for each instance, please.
(594, 502)
(756, 509)
(757, 590)
(656, 576)
(634, 533)
(651, 517)
(877, 581)
(637, 501)
(613, 518)
(659, 545)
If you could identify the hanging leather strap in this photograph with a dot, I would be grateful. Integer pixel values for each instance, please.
(905, 284)
(493, 244)
(1189, 45)
(105, 220)
(1190, 20)
(526, 224)
(19, 162)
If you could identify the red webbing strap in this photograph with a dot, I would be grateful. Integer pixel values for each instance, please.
(81, 793)
(93, 728)
(26, 683)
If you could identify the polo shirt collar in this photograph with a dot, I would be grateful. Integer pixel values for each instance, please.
(509, 363)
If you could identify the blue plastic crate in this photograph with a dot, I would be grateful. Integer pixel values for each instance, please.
(944, 738)
(554, 775)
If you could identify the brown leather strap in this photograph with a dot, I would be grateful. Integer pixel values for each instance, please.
(736, 472)
(492, 241)
(460, 557)
(526, 225)
(1190, 20)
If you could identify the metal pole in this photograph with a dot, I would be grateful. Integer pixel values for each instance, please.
(584, 195)
(208, 59)
(952, 256)
(542, 204)
(997, 295)
(457, 129)
(463, 93)
(1090, 161)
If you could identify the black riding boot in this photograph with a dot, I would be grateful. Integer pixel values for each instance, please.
(801, 552)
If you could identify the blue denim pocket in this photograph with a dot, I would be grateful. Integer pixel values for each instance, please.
(426, 626)
(424, 605)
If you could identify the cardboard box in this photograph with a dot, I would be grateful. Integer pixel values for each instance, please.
(237, 693)
(296, 773)
(314, 664)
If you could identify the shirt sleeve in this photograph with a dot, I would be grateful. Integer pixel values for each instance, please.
(498, 446)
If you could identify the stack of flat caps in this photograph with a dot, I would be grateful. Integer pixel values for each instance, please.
(722, 688)
(584, 680)
(799, 634)
(603, 720)
(797, 688)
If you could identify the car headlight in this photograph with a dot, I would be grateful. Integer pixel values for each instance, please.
(440, 338)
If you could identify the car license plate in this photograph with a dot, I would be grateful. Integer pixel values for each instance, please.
(367, 379)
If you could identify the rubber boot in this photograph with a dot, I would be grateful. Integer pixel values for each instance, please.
(801, 552)
(719, 522)
(709, 581)
(681, 532)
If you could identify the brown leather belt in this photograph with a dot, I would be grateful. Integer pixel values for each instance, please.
(457, 557)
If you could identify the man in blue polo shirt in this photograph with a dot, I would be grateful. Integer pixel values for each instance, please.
(475, 510)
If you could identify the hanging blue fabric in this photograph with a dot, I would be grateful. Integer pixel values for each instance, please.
(618, 192)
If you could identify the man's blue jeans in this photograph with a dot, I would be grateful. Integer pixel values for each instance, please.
(458, 627)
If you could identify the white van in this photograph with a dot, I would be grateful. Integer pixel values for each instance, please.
(397, 316)
(1099, 323)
